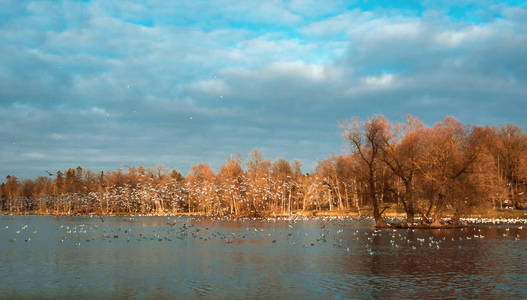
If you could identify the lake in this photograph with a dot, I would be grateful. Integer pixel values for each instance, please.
(199, 257)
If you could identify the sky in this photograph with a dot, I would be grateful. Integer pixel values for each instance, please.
(111, 84)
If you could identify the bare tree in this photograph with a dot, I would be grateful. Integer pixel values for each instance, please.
(366, 141)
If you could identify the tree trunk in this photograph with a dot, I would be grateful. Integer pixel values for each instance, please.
(379, 221)
(330, 201)
(289, 200)
(410, 203)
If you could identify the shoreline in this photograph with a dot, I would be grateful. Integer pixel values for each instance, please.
(508, 216)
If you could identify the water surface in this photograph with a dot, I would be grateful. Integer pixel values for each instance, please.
(189, 257)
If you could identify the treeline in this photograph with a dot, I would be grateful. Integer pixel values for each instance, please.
(424, 171)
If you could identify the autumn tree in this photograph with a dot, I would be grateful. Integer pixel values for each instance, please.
(450, 150)
(201, 187)
(282, 177)
(232, 182)
(366, 142)
(509, 148)
(334, 185)
(400, 149)
(10, 190)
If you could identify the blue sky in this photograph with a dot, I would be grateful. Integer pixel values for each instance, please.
(109, 84)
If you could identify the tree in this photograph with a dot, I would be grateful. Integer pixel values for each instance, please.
(176, 175)
(509, 148)
(449, 152)
(282, 177)
(231, 178)
(400, 152)
(11, 190)
(366, 142)
(58, 185)
(259, 183)
(328, 170)
(200, 183)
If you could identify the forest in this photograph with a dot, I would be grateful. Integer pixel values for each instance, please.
(426, 172)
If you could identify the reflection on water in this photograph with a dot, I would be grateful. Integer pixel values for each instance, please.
(187, 257)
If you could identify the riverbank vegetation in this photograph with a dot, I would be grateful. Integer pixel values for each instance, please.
(420, 171)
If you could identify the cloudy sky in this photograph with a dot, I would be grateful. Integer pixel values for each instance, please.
(108, 84)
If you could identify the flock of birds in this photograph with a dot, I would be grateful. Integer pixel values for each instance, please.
(494, 221)
(348, 234)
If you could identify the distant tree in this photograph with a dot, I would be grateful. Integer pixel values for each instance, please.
(11, 191)
(58, 186)
(259, 182)
(347, 180)
(509, 148)
(282, 175)
(200, 183)
(232, 183)
(327, 171)
(176, 175)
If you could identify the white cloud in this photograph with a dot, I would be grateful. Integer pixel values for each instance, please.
(99, 111)
(382, 81)
(407, 30)
(57, 136)
(280, 70)
(297, 69)
(457, 38)
(210, 86)
(34, 155)
(341, 23)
